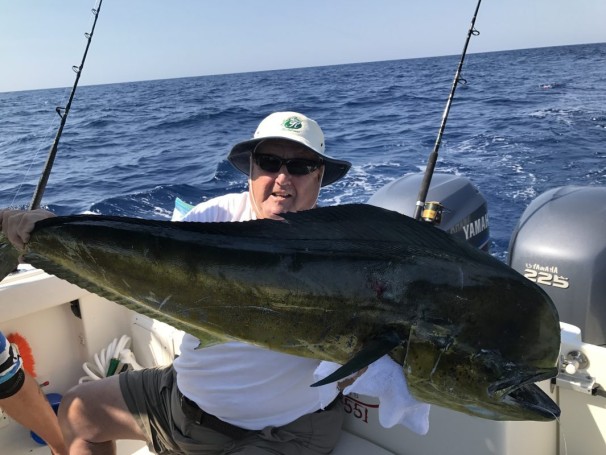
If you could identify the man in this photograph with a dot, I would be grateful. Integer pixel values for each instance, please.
(22, 399)
(232, 397)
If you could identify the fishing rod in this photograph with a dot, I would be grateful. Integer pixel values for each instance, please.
(434, 208)
(53, 150)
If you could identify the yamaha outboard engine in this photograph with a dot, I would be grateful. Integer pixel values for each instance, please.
(465, 210)
(560, 244)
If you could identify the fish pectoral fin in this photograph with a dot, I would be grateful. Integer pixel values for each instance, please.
(371, 351)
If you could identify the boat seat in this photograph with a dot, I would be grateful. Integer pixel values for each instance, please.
(350, 444)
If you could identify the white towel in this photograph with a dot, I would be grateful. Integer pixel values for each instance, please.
(385, 380)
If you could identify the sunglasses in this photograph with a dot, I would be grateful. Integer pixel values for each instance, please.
(294, 166)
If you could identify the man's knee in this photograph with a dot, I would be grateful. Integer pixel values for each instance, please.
(78, 413)
(70, 409)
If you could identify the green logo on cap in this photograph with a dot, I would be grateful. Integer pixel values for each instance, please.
(292, 123)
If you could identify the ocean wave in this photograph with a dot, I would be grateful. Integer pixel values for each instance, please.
(527, 121)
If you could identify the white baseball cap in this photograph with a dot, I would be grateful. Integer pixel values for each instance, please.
(294, 127)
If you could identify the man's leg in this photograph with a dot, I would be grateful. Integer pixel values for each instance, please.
(93, 415)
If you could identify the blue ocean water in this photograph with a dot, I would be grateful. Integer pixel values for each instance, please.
(525, 121)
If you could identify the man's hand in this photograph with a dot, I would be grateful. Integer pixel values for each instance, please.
(18, 224)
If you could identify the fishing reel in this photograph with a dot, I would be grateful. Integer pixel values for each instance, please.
(432, 212)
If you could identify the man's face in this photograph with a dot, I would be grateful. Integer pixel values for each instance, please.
(278, 191)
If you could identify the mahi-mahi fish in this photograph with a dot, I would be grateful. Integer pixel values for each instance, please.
(347, 284)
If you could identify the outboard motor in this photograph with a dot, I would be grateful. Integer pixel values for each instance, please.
(465, 213)
(560, 244)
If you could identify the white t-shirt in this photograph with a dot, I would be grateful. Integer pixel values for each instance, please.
(240, 383)
(230, 207)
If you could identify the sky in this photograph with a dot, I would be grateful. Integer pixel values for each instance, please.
(40, 40)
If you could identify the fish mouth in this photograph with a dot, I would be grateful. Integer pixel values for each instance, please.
(532, 399)
(525, 397)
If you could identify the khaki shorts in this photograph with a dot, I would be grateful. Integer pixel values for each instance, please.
(152, 397)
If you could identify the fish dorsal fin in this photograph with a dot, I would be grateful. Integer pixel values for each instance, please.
(370, 352)
(349, 227)
(348, 222)
(345, 222)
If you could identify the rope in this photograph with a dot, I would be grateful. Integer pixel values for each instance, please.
(114, 359)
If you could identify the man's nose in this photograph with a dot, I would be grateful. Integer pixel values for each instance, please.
(283, 175)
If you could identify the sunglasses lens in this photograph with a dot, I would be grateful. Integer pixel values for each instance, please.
(301, 167)
(269, 163)
(295, 166)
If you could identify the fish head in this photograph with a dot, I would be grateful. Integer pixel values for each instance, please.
(483, 356)
(480, 384)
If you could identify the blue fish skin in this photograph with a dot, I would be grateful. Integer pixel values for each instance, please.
(474, 334)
